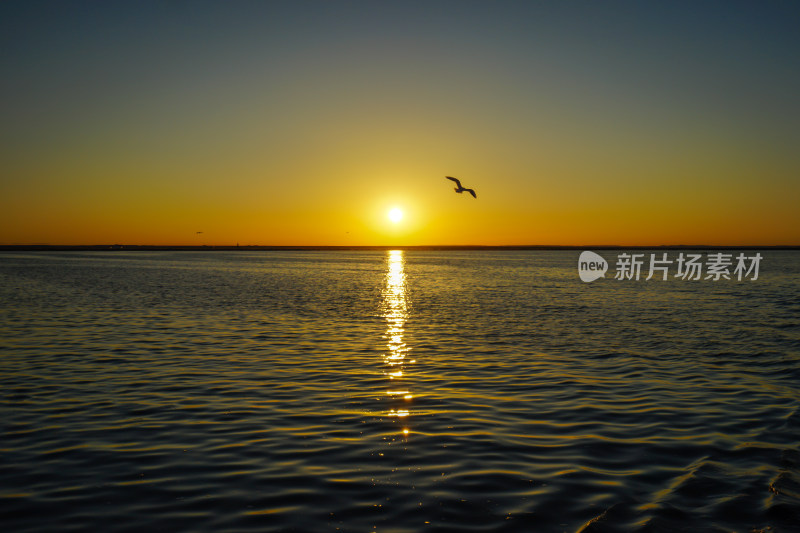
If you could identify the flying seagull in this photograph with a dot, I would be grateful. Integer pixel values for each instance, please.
(459, 189)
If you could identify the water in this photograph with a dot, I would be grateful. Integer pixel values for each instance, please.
(393, 391)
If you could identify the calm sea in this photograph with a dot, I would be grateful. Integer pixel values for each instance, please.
(394, 391)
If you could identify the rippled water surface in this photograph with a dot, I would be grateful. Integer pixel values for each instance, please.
(393, 391)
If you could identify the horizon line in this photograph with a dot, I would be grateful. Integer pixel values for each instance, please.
(260, 247)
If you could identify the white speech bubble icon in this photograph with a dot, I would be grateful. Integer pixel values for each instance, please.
(591, 266)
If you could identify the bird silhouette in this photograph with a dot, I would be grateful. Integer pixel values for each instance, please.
(459, 189)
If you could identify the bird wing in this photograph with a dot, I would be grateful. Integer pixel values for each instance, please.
(472, 193)
(453, 179)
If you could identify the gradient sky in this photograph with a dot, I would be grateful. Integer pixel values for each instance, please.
(303, 123)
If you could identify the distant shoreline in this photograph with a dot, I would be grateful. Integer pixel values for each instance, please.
(226, 248)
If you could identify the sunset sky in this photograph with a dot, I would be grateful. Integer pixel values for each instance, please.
(305, 123)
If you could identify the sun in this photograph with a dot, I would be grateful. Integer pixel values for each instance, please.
(395, 215)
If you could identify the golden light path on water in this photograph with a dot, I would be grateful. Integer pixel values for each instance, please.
(395, 311)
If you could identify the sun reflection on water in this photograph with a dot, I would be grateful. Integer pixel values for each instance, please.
(395, 311)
